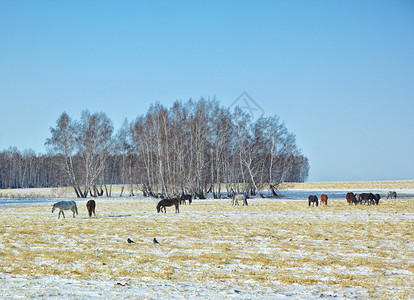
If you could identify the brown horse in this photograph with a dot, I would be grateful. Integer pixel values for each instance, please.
(90, 206)
(324, 199)
(350, 198)
(168, 202)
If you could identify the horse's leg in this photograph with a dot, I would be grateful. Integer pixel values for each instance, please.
(73, 210)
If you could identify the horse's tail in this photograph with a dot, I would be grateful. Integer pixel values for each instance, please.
(76, 209)
(89, 207)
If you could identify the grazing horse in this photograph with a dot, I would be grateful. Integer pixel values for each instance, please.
(324, 199)
(183, 198)
(168, 202)
(313, 199)
(391, 194)
(350, 198)
(377, 198)
(358, 199)
(237, 197)
(65, 205)
(368, 198)
(90, 206)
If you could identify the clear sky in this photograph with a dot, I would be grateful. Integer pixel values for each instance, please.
(339, 73)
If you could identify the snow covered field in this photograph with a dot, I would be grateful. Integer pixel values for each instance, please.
(272, 249)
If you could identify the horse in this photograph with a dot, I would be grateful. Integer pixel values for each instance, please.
(90, 206)
(324, 199)
(350, 198)
(368, 198)
(358, 199)
(313, 199)
(168, 202)
(65, 205)
(377, 198)
(183, 198)
(241, 197)
(391, 194)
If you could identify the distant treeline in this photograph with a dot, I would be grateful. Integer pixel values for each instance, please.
(194, 147)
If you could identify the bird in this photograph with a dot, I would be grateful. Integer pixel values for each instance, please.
(130, 241)
(155, 241)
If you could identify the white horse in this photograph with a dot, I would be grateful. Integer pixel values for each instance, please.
(391, 195)
(65, 205)
(237, 197)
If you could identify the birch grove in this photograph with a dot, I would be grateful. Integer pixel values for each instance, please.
(195, 147)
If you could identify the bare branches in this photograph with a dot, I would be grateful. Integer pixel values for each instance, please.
(196, 147)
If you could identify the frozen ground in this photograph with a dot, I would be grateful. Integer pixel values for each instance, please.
(272, 249)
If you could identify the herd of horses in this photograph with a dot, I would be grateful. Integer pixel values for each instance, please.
(351, 198)
(71, 205)
(363, 198)
(175, 200)
(313, 199)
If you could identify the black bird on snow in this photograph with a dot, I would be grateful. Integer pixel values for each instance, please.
(130, 241)
(155, 241)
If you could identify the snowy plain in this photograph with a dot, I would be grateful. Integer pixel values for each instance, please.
(271, 249)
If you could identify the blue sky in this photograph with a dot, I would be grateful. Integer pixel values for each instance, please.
(339, 73)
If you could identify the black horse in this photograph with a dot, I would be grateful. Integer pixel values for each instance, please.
(377, 198)
(313, 199)
(368, 198)
(184, 198)
(168, 202)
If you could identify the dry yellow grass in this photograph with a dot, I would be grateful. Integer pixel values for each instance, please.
(269, 243)
(57, 192)
(351, 185)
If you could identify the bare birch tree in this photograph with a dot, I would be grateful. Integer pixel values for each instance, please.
(95, 145)
(62, 144)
